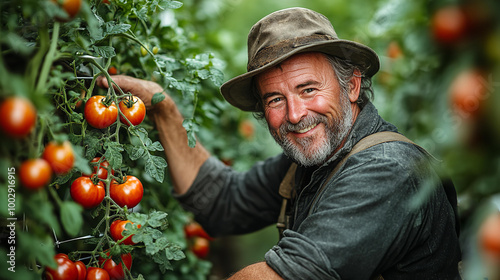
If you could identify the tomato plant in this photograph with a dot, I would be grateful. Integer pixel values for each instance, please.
(65, 269)
(60, 156)
(117, 227)
(96, 273)
(35, 173)
(87, 193)
(99, 113)
(133, 110)
(129, 193)
(17, 117)
(115, 270)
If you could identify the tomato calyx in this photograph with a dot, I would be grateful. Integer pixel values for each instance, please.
(107, 101)
(129, 101)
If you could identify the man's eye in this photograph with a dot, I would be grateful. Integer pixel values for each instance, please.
(308, 90)
(275, 100)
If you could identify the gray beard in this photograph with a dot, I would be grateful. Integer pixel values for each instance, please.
(302, 151)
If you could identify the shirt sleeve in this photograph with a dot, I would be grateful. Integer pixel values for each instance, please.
(227, 202)
(365, 218)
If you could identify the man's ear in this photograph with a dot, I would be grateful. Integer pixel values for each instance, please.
(355, 86)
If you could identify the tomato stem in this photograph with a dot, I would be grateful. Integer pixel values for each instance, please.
(49, 59)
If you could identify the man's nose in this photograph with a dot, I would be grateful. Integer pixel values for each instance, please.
(296, 109)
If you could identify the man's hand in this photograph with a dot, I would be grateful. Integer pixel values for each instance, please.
(140, 88)
(184, 162)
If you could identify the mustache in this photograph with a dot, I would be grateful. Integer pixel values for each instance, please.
(308, 121)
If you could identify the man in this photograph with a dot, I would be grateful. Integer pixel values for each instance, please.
(356, 221)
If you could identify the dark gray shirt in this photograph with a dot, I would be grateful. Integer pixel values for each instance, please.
(384, 211)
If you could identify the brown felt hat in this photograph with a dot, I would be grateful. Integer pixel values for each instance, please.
(284, 33)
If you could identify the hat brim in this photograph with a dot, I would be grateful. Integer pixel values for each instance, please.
(238, 90)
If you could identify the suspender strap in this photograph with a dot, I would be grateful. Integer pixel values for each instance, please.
(287, 185)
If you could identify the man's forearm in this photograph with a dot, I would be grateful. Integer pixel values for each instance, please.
(257, 271)
(184, 162)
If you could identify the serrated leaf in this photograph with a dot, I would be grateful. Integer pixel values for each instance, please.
(157, 98)
(113, 154)
(157, 218)
(155, 146)
(42, 211)
(216, 76)
(112, 28)
(80, 162)
(71, 217)
(41, 250)
(105, 51)
(191, 127)
(163, 263)
(92, 144)
(135, 151)
(62, 179)
(174, 252)
(155, 167)
(169, 4)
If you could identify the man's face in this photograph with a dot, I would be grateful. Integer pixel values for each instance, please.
(307, 111)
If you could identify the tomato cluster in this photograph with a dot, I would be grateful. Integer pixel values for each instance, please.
(56, 158)
(199, 239)
(116, 271)
(67, 269)
(101, 112)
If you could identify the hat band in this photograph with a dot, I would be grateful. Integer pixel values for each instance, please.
(268, 54)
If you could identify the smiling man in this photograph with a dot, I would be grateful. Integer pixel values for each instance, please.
(343, 189)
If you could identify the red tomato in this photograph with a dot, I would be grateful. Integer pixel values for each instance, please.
(127, 194)
(489, 235)
(133, 109)
(65, 270)
(35, 173)
(103, 171)
(71, 7)
(117, 227)
(86, 193)
(98, 114)
(200, 247)
(116, 270)
(96, 273)
(82, 270)
(17, 117)
(468, 92)
(59, 156)
(449, 24)
(194, 229)
(112, 70)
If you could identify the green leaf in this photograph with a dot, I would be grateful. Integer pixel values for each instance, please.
(80, 162)
(62, 179)
(37, 247)
(161, 259)
(71, 217)
(191, 127)
(135, 152)
(42, 211)
(112, 28)
(93, 144)
(157, 98)
(155, 146)
(155, 167)
(105, 51)
(174, 252)
(169, 4)
(113, 154)
(157, 219)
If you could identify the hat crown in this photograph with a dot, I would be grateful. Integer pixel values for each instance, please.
(287, 29)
